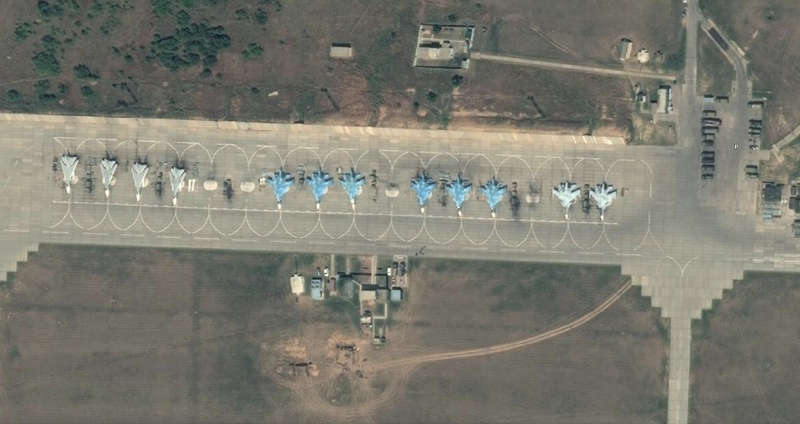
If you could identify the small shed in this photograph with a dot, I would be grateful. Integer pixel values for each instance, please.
(298, 284)
(317, 292)
(341, 51)
(396, 294)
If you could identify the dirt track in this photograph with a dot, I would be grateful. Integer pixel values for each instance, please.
(313, 403)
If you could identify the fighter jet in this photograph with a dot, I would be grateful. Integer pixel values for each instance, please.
(423, 185)
(603, 194)
(69, 163)
(494, 191)
(107, 168)
(567, 192)
(319, 181)
(176, 176)
(352, 182)
(459, 190)
(139, 172)
(280, 182)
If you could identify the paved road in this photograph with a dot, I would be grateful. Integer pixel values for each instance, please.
(572, 68)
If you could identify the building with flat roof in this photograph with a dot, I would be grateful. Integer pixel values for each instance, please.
(298, 284)
(317, 291)
(341, 51)
(444, 46)
(624, 49)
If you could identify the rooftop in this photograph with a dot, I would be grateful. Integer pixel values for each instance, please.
(444, 46)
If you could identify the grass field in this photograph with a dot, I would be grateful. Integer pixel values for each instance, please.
(767, 31)
(267, 60)
(147, 335)
(744, 354)
(715, 75)
(92, 334)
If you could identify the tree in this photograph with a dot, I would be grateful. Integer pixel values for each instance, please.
(46, 64)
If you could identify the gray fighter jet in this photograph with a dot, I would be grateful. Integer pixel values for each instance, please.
(139, 172)
(108, 167)
(176, 176)
(566, 192)
(603, 194)
(69, 163)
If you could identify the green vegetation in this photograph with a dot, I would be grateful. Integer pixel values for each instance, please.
(305, 105)
(676, 61)
(87, 93)
(82, 72)
(456, 80)
(252, 51)
(13, 96)
(260, 17)
(47, 10)
(46, 64)
(23, 31)
(241, 15)
(188, 45)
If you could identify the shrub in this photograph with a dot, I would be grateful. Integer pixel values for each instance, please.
(46, 64)
(456, 80)
(13, 96)
(47, 10)
(241, 15)
(87, 92)
(23, 31)
(260, 16)
(431, 96)
(253, 51)
(82, 72)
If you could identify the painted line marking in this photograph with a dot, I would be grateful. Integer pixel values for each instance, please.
(284, 241)
(169, 237)
(95, 234)
(243, 240)
(16, 231)
(514, 250)
(629, 254)
(475, 248)
(551, 251)
(206, 238)
(321, 242)
(132, 235)
(590, 253)
(55, 232)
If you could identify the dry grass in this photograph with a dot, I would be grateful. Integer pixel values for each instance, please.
(146, 335)
(744, 354)
(768, 31)
(378, 87)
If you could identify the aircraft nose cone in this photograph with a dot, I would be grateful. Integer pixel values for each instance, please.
(174, 201)
(68, 189)
(138, 197)
(108, 193)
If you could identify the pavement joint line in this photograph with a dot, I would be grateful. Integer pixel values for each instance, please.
(95, 234)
